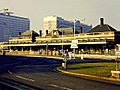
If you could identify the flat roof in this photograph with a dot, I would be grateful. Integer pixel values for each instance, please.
(13, 16)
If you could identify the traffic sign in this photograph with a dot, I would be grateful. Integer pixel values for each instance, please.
(74, 41)
(74, 46)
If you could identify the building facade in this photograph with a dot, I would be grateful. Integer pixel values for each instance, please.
(51, 23)
(102, 39)
(12, 26)
(88, 43)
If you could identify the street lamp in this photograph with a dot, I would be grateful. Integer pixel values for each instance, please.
(74, 37)
(62, 45)
(74, 28)
(62, 38)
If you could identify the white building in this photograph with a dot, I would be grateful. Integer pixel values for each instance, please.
(12, 26)
(51, 23)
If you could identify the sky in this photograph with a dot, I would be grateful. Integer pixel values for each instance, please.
(90, 10)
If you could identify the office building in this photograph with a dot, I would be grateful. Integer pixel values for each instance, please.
(51, 23)
(12, 26)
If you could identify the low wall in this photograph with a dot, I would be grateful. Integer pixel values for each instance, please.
(95, 56)
(21, 53)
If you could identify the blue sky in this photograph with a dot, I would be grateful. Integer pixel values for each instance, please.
(91, 10)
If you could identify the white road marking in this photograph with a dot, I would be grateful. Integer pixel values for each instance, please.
(10, 72)
(56, 86)
(28, 79)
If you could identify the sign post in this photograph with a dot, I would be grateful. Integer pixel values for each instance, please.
(74, 46)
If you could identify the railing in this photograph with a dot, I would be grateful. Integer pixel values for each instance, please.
(98, 35)
(47, 42)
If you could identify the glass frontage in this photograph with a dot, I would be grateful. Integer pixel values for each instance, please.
(10, 26)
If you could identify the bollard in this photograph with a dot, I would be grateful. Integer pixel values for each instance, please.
(70, 55)
(4, 53)
(81, 57)
(65, 61)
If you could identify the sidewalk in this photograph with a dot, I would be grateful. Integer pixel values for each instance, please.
(96, 78)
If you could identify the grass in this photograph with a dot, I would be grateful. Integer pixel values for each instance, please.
(98, 69)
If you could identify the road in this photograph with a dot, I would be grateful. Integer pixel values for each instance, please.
(41, 73)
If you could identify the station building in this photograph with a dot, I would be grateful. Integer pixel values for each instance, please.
(102, 39)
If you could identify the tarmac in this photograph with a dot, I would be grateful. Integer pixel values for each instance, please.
(98, 78)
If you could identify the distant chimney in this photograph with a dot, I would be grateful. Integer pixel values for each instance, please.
(101, 21)
(19, 33)
(46, 32)
(40, 32)
(81, 30)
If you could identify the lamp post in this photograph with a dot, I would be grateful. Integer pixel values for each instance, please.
(74, 38)
(62, 51)
(62, 45)
(74, 28)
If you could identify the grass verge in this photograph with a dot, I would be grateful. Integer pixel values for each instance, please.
(97, 69)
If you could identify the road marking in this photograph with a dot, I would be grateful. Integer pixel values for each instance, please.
(56, 86)
(28, 79)
(10, 72)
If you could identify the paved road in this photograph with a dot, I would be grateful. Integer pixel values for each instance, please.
(42, 73)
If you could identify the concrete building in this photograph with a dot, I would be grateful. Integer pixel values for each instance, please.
(51, 23)
(12, 26)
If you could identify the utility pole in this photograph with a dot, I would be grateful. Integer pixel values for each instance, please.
(47, 49)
